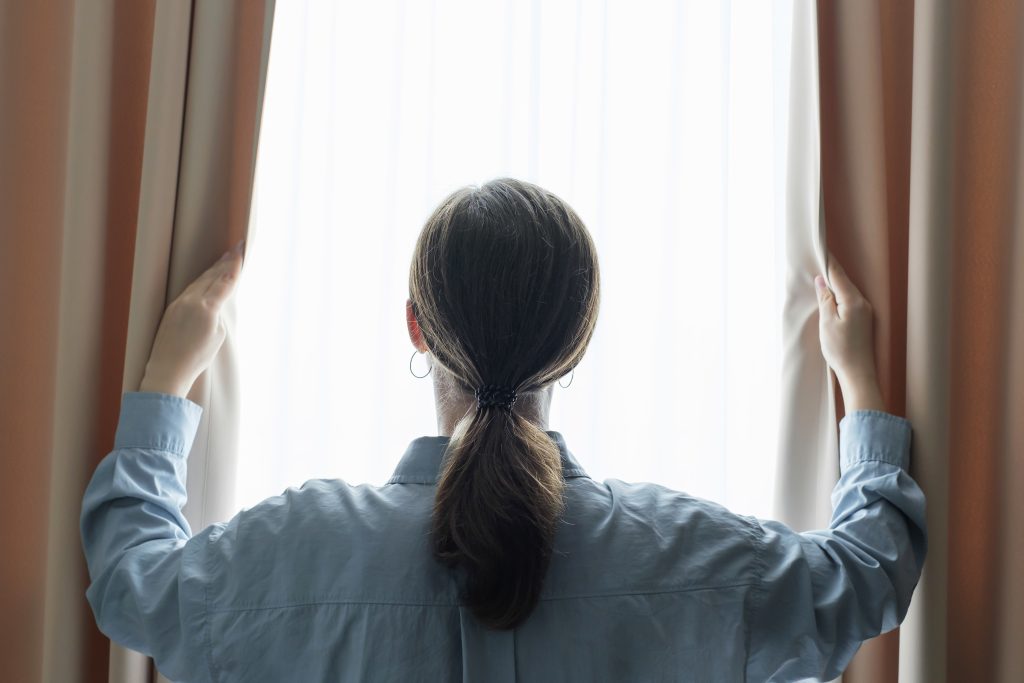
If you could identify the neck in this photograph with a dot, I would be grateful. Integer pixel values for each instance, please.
(452, 404)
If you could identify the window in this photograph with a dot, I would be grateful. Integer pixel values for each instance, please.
(662, 124)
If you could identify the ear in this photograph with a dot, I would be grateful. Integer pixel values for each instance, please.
(415, 335)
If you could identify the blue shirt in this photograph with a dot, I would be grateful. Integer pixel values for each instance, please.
(336, 582)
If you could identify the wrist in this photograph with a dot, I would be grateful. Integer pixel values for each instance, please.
(862, 394)
(856, 379)
(163, 386)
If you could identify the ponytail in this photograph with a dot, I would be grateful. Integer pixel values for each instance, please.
(498, 502)
(504, 287)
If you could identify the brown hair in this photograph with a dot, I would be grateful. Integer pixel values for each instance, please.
(505, 288)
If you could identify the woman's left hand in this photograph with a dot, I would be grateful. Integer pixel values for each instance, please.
(191, 331)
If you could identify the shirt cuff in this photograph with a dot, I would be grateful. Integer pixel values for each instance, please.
(157, 421)
(866, 435)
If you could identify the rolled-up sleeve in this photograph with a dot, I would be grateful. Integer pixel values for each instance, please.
(146, 569)
(820, 594)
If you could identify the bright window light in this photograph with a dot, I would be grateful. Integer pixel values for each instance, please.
(661, 123)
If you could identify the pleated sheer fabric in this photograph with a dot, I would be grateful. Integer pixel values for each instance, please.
(922, 147)
(126, 168)
(678, 175)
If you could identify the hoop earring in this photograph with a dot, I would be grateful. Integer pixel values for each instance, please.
(410, 366)
(571, 378)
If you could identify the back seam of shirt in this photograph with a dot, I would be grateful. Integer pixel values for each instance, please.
(395, 603)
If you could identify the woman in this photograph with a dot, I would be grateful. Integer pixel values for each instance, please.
(490, 555)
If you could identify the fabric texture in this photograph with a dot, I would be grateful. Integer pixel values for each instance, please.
(865, 105)
(127, 147)
(333, 581)
(808, 441)
(922, 157)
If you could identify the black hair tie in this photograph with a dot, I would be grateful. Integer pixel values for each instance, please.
(495, 395)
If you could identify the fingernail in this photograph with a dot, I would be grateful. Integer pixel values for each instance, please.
(819, 282)
(238, 247)
(225, 256)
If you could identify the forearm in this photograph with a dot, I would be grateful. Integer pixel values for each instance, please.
(138, 490)
(823, 592)
(146, 569)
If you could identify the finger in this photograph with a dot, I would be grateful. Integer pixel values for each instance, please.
(843, 287)
(201, 284)
(226, 276)
(826, 299)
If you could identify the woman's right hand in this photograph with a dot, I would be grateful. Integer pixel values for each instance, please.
(845, 329)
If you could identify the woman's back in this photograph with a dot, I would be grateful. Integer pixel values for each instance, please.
(491, 556)
(627, 595)
(338, 582)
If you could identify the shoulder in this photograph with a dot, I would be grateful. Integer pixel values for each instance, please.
(319, 511)
(658, 506)
(668, 539)
(311, 540)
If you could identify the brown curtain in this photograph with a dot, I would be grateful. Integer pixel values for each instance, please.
(922, 139)
(127, 148)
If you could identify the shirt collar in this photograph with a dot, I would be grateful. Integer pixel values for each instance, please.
(421, 463)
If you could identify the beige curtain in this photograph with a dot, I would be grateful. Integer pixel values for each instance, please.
(865, 52)
(808, 464)
(922, 139)
(808, 449)
(127, 147)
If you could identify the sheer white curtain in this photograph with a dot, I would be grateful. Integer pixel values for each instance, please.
(664, 124)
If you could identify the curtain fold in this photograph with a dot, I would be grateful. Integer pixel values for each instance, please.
(126, 168)
(929, 326)
(217, 118)
(808, 447)
(865, 57)
(971, 124)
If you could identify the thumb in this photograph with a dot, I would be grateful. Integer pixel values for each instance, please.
(826, 299)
